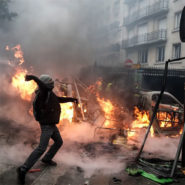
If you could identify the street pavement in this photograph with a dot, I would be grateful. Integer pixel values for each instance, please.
(106, 162)
(71, 175)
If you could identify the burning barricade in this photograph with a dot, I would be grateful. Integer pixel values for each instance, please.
(120, 121)
(117, 118)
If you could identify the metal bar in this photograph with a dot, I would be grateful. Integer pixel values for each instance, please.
(79, 99)
(183, 144)
(157, 103)
(176, 59)
(178, 153)
(155, 109)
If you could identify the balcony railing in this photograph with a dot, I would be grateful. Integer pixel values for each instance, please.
(159, 7)
(147, 38)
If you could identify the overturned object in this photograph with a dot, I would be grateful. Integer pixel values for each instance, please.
(157, 170)
(153, 177)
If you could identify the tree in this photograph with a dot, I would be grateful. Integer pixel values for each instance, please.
(5, 14)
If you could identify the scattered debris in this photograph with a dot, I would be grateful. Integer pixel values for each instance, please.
(34, 170)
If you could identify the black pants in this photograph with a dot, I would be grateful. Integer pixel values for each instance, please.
(47, 132)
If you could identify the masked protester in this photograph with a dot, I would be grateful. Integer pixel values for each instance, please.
(46, 109)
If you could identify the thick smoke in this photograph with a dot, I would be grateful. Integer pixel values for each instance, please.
(57, 37)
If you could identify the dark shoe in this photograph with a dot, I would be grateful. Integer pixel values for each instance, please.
(21, 173)
(50, 162)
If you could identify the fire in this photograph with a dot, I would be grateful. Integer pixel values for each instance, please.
(142, 121)
(108, 110)
(25, 89)
(106, 105)
(94, 89)
(166, 120)
(142, 118)
(67, 111)
(18, 54)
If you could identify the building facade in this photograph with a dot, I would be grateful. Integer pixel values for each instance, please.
(111, 53)
(150, 33)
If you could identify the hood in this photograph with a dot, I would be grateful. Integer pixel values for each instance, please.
(47, 80)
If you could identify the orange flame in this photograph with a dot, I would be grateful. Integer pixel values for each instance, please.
(18, 54)
(25, 89)
(165, 120)
(142, 118)
(108, 110)
(94, 89)
(67, 112)
(142, 121)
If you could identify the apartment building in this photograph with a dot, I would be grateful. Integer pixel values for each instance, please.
(111, 34)
(150, 33)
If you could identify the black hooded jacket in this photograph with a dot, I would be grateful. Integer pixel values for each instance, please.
(46, 105)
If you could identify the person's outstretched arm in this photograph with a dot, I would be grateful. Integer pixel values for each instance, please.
(41, 84)
(67, 99)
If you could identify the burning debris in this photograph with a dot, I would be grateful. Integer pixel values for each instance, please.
(125, 127)
(116, 117)
(103, 107)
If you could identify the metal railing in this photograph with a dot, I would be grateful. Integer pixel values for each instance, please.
(147, 38)
(158, 7)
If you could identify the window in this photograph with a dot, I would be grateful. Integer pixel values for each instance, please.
(177, 20)
(142, 33)
(166, 99)
(143, 56)
(160, 53)
(162, 23)
(176, 53)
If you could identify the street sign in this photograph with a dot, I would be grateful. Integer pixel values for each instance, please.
(128, 63)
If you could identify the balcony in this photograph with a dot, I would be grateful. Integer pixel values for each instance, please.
(159, 7)
(144, 39)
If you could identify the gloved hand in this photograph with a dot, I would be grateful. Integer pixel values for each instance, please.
(28, 77)
(75, 101)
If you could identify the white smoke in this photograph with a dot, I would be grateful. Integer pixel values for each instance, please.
(56, 35)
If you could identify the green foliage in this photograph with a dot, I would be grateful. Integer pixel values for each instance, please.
(5, 14)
